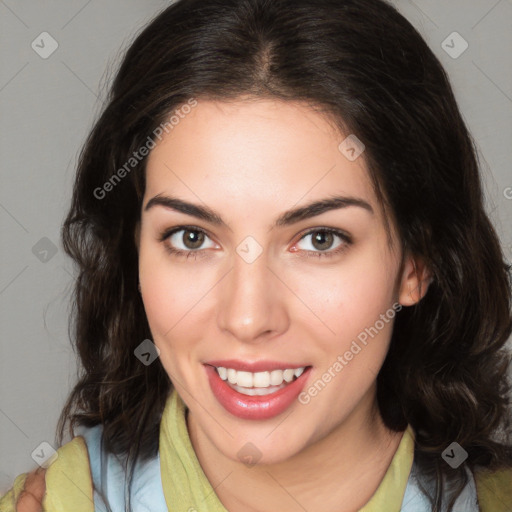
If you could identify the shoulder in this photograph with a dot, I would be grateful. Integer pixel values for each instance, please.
(494, 489)
(68, 483)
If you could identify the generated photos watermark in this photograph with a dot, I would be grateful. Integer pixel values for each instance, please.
(344, 359)
(143, 151)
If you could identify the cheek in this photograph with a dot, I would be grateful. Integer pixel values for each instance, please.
(177, 297)
(169, 290)
(345, 299)
(164, 299)
(169, 296)
(169, 305)
(354, 304)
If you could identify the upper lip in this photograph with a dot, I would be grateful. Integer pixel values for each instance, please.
(254, 366)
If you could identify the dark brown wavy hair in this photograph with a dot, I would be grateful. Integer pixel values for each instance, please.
(365, 65)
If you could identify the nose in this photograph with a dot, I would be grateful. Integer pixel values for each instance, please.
(252, 302)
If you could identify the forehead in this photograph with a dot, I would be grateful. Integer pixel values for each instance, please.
(266, 154)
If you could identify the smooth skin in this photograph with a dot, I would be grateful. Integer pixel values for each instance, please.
(249, 161)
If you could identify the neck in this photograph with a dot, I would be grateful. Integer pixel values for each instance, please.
(339, 472)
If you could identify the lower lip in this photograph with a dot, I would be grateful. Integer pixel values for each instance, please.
(255, 407)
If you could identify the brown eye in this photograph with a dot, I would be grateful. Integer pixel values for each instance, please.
(186, 241)
(192, 239)
(322, 240)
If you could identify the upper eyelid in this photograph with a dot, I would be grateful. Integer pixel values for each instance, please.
(337, 231)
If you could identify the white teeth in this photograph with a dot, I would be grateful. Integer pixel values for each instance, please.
(276, 377)
(288, 375)
(244, 379)
(231, 376)
(259, 380)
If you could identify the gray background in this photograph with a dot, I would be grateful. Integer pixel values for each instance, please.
(47, 107)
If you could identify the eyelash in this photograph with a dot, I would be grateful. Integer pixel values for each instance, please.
(347, 241)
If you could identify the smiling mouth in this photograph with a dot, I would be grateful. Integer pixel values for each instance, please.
(258, 383)
(259, 395)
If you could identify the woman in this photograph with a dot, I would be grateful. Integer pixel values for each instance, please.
(289, 296)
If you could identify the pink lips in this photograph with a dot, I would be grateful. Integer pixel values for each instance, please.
(254, 407)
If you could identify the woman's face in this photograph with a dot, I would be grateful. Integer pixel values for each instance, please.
(265, 282)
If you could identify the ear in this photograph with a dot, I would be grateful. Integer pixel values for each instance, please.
(415, 280)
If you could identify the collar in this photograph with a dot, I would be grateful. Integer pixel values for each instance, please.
(186, 487)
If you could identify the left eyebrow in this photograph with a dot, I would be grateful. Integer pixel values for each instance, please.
(319, 207)
(286, 219)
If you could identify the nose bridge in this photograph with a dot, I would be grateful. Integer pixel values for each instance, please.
(250, 307)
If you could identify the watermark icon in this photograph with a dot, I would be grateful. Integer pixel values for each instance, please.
(454, 45)
(507, 192)
(44, 45)
(249, 249)
(342, 360)
(454, 455)
(249, 454)
(147, 352)
(351, 148)
(143, 151)
(44, 454)
(44, 250)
